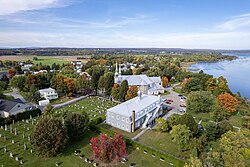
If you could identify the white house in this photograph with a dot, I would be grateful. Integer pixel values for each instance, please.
(140, 111)
(48, 93)
(147, 85)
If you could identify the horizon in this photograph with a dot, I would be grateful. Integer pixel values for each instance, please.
(209, 25)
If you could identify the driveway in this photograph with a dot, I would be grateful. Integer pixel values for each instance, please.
(175, 105)
(16, 95)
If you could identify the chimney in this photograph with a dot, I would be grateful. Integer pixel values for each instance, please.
(139, 93)
(133, 120)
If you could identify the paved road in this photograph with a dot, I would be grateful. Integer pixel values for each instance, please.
(56, 106)
(175, 104)
(16, 95)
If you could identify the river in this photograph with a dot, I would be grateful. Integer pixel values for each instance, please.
(237, 72)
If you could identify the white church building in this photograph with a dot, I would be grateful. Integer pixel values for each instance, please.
(147, 85)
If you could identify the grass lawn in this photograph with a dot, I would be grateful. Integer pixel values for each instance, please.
(60, 100)
(124, 133)
(49, 60)
(161, 141)
(94, 106)
(8, 90)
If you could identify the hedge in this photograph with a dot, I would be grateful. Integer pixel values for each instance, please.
(20, 116)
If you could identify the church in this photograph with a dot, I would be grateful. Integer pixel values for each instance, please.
(147, 85)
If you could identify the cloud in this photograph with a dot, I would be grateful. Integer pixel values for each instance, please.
(217, 40)
(236, 22)
(8, 7)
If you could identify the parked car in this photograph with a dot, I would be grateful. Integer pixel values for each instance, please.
(183, 97)
(182, 105)
(180, 95)
(170, 100)
(167, 102)
(183, 100)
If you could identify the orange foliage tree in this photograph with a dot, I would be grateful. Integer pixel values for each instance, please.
(228, 102)
(70, 86)
(131, 93)
(11, 73)
(164, 81)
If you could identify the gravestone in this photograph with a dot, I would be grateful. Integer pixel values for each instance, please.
(4, 137)
(24, 146)
(11, 155)
(29, 138)
(17, 159)
(16, 133)
(5, 149)
(30, 116)
(6, 128)
(13, 141)
(23, 135)
(0, 135)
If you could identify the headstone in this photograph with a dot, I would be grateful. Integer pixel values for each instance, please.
(4, 137)
(31, 151)
(1, 127)
(16, 133)
(10, 129)
(6, 127)
(5, 149)
(13, 141)
(29, 137)
(32, 122)
(23, 135)
(28, 128)
(11, 155)
(30, 116)
(24, 146)
(21, 162)
(0, 135)
(17, 159)
(27, 121)
(13, 121)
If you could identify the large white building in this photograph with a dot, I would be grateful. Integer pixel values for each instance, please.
(48, 93)
(140, 111)
(147, 85)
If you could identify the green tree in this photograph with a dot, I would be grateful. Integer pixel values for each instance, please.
(162, 125)
(96, 74)
(109, 82)
(77, 125)
(101, 83)
(115, 91)
(34, 95)
(189, 121)
(200, 101)
(181, 135)
(123, 90)
(49, 137)
(48, 109)
(155, 71)
(18, 82)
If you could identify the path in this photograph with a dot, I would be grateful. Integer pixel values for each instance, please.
(16, 95)
(56, 106)
(139, 134)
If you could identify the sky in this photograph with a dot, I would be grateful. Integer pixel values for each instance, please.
(193, 24)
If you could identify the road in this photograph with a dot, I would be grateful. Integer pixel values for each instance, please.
(56, 106)
(16, 95)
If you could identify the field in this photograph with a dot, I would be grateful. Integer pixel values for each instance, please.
(161, 141)
(94, 106)
(45, 60)
(67, 158)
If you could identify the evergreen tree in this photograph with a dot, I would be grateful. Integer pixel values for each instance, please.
(123, 90)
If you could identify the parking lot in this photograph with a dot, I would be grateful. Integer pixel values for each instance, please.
(175, 105)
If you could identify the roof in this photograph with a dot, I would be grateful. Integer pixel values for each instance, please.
(136, 104)
(46, 90)
(6, 105)
(136, 79)
(155, 79)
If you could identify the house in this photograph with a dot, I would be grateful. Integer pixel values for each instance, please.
(140, 111)
(77, 66)
(147, 85)
(8, 107)
(48, 93)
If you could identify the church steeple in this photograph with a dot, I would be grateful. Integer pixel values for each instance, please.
(116, 69)
(120, 70)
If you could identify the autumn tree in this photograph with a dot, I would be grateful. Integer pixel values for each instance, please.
(70, 86)
(76, 124)
(109, 82)
(101, 83)
(123, 90)
(11, 73)
(228, 102)
(164, 81)
(217, 86)
(48, 109)
(181, 135)
(131, 93)
(162, 125)
(49, 137)
(115, 91)
(106, 149)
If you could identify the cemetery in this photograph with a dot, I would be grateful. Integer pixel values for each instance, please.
(16, 149)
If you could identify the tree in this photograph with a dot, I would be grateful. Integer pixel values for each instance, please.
(162, 125)
(189, 121)
(194, 162)
(49, 137)
(77, 125)
(212, 131)
(217, 86)
(18, 82)
(164, 81)
(34, 95)
(109, 82)
(96, 74)
(131, 93)
(35, 58)
(101, 83)
(154, 71)
(123, 90)
(228, 102)
(5, 79)
(181, 135)
(106, 149)
(11, 73)
(224, 126)
(115, 91)
(200, 101)
(70, 86)
(48, 109)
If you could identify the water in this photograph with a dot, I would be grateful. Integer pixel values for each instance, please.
(237, 72)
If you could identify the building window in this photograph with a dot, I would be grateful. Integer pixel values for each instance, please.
(117, 117)
(123, 119)
(127, 120)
